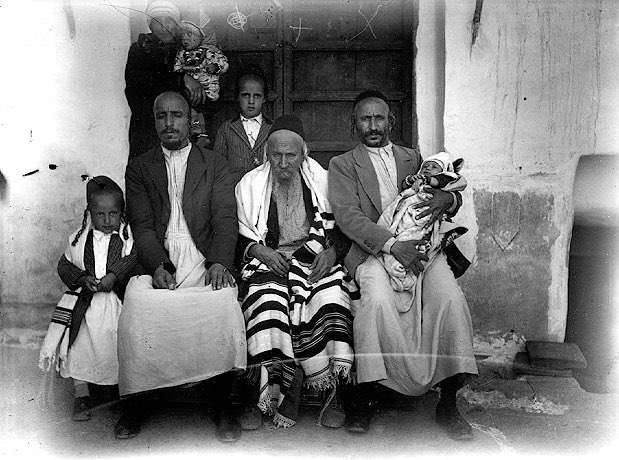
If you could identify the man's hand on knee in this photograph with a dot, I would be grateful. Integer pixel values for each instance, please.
(323, 262)
(408, 254)
(271, 258)
(219, 277)
(162, 279)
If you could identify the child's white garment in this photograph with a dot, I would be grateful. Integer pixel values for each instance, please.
(93, 355)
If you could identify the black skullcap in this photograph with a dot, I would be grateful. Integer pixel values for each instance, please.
(290, 123)
(101, 183)
(368, 93)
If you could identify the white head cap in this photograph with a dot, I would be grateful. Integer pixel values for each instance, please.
(159, 8)
(441, 158)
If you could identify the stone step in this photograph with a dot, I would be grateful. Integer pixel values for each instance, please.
(553, 355)
(522, 366)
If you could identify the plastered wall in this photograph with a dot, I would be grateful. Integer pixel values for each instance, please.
(62, 105)
(528, 93)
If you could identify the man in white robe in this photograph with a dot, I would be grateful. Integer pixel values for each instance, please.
(181, 322)
(407, 341)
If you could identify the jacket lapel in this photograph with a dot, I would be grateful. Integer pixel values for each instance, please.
(237, 127)
(264, 130)
(404, 165)
(367, 176)
(196, 166)
(159, 174)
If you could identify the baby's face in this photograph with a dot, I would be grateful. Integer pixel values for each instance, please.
(191, 37)
(431, 168)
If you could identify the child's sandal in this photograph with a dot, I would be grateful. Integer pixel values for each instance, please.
(81, 409)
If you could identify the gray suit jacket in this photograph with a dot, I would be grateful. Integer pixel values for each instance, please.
(355, 198)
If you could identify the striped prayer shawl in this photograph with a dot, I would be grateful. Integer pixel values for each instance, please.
(77, 261)
(291, 321)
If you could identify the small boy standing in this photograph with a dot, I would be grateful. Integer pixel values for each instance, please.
(96, 267)
(241, 140)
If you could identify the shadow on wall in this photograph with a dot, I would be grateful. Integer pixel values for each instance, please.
(4, 188)
(593, 296)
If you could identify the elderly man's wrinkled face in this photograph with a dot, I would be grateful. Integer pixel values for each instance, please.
(285, 153)
(372, 122)
(172, 120)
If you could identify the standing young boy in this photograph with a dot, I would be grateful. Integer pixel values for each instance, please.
(241, 140)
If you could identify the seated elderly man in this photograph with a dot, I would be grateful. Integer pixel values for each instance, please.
(297, 295)
(181, 322)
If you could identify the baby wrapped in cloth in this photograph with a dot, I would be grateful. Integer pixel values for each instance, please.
(401, 217)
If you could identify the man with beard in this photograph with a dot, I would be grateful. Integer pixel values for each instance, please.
(407, 341)
(181, 322)
(296, 296)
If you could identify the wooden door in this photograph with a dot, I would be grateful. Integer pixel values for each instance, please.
(250, 33)
(318, 55)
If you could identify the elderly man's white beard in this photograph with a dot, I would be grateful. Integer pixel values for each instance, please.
(285, 180)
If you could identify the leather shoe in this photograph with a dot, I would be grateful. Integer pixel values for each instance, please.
(81, 409)
(251, 418)
(228, 428)
(128, 426)
(449, 417)
(332, 414)
(359, 420)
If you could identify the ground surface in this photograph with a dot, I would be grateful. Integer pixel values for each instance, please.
(529, 416)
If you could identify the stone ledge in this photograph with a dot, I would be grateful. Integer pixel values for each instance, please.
(22, 338)
(15, 315)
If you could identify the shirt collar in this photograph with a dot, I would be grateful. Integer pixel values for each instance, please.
(258, 118)
(375, 150)
(99, 235)
(184, 152)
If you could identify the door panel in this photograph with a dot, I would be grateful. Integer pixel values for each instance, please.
(318, 55)
(258, 43)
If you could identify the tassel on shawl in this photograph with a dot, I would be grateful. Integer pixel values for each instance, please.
(325, 382)
(281, 421)
(265, 403)
(45, 396)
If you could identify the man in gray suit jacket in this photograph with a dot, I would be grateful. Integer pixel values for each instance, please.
(406, 341)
